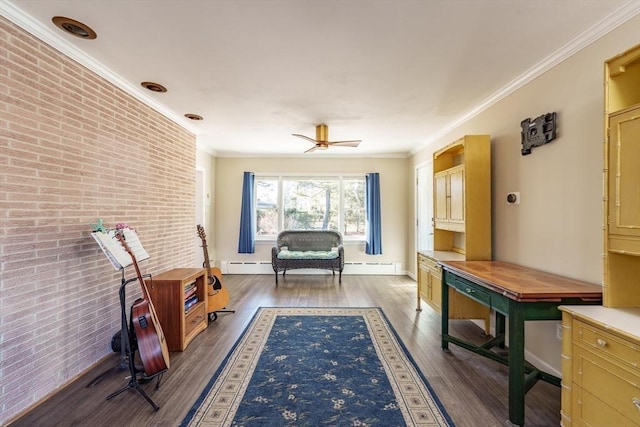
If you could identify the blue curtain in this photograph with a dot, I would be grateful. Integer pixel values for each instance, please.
(246, 243)
(374, 221)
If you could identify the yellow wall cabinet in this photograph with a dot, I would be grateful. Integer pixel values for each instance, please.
(621, 180)
(601, 344)
(462, 197)
(461, 219)
(624, 181)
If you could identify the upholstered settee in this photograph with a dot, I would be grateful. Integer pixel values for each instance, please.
(320, 249)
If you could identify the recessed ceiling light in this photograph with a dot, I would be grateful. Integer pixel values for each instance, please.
(154, 87)
(75, 28)
(193, 116)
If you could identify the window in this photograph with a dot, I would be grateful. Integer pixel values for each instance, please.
(310, 203)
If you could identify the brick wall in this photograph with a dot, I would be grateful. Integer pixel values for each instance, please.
(73, 148)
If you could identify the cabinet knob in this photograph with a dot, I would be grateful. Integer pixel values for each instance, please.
(601, 342)
(636, 402)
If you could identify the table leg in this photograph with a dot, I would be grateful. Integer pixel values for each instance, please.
(500, 327)
(444, 309)
(516, 364)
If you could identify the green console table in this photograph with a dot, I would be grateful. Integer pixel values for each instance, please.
(519, 294)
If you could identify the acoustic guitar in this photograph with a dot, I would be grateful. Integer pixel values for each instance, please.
(152, 344)
(217, 295)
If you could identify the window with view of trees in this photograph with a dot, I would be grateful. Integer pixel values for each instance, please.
(318, 203)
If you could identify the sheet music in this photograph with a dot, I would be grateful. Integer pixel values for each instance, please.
(131, 237)
(114, 250)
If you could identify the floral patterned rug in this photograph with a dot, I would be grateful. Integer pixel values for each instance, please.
(315, 367)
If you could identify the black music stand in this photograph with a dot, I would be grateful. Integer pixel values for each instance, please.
(120, 259)
(126, 344)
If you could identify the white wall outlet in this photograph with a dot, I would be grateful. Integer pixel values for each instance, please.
(513, 198)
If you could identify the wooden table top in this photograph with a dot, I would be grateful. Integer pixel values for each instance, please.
(522, 283)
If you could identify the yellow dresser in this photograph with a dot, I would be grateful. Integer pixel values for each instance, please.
(600, 366)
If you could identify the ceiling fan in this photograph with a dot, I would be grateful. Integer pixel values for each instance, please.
(322, 140)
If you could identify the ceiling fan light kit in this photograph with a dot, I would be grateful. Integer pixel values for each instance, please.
(322, 139)
(322, 132)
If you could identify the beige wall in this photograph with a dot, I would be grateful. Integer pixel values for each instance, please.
(558, 225)
(393, 188)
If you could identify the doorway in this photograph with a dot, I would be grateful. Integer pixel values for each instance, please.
(424, 207)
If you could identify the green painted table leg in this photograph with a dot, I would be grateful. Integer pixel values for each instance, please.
(444, 308)
(516, 364)
(500, 326)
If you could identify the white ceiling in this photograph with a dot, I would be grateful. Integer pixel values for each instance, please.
(394, 73)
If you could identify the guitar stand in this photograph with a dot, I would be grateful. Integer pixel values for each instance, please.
(213, 316)
(133, 383)
(133, 371)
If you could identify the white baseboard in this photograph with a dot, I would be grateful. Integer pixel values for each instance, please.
(246, 267)
(541, 364)
(378, 268)
(264, 267)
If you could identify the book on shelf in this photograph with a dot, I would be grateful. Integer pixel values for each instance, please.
(190, 302)
(190, 292)
(114, 250)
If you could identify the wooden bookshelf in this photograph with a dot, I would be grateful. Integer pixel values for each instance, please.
(179, 298)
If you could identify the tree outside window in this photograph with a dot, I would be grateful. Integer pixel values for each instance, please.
(328, 203)
(266, 207)
(354, 208)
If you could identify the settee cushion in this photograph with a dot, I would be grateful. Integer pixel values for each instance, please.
(287, 254)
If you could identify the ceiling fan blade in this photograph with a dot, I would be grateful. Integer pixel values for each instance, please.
(353, 143)
(305, 137)
(314, 148)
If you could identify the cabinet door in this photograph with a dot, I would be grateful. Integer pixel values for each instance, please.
(441, 196)
(604, 393)
(448, 187)
(624, 176)
(435, 273)
(423, 281)
(456, 195)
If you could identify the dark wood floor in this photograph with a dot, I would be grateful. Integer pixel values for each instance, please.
(473, 389)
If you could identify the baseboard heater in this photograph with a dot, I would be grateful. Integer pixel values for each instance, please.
(264, 267)
(246, 267)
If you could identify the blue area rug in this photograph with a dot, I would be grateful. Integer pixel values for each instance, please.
(314, 367)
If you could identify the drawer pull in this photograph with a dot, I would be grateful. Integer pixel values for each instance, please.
(601, 342)
(636, 402)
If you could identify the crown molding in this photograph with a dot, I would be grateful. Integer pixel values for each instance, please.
(627, 11)
(606, 25)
